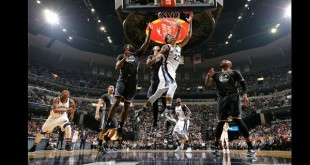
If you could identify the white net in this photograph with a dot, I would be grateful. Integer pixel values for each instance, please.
(170, 15)
(169, 22)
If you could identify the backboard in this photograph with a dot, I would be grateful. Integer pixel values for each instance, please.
(154, 6)
(135, 14)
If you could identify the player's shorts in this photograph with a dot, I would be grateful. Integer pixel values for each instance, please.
(126, 87)
(104, 122)
(181, 127)
(104, 117)
(228, 105)
(51, 123)
(224, 136)
(166, 76)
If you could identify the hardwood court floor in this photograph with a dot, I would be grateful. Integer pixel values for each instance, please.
(155, 157)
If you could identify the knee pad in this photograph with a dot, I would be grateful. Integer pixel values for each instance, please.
(171, 90)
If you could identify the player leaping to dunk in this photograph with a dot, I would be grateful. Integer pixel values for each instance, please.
(171, 53)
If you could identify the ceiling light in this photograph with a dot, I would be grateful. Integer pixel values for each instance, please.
(51, 17)
(273, 30)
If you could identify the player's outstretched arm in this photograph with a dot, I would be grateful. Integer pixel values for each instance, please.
(147, 39)
(189, 33)
(208, 79)
(100, 102)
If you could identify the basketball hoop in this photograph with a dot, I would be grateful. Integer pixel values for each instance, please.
(171, 17)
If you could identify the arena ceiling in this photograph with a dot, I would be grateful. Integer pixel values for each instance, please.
(252, 30)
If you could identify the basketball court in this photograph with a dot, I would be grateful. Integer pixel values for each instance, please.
(164, 14)
(135, 157)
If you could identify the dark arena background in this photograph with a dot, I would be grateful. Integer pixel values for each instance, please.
(78, 52)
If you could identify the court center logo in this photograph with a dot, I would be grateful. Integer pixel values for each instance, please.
(223, 78)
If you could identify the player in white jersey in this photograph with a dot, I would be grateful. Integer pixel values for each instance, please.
(224, 138)
(180, 130)
(58, 117)
(171, 53)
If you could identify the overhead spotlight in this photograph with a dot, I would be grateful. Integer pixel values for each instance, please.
(102, 28)
(226, 42)
(239, 17)
(92, 10)
(69, 38)
(277, 25)
(99, 20)
(51, 17)
(246, 5)
(38, 2)
(273, 30)
(109, 39)
(64, 30)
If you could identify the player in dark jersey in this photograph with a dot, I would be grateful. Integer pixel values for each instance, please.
(155, 65)
(126, 85)
(228, 101)
(106, 101)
